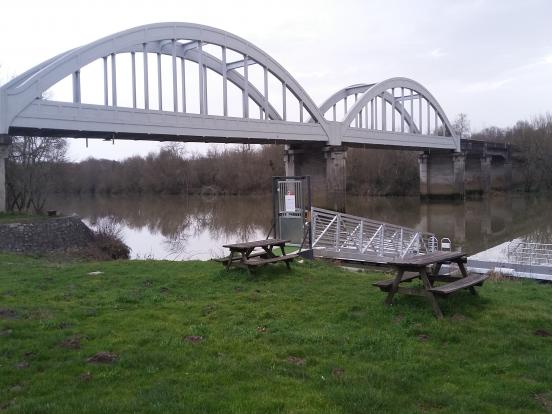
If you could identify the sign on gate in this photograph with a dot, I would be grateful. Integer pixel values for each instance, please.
(290, 201)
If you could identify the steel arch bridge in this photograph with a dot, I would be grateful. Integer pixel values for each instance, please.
(188, 82)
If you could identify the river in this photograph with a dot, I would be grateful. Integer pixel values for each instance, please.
(194, 227)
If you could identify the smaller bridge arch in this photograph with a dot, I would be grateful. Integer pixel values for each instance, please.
(363, 116)
(397, 105)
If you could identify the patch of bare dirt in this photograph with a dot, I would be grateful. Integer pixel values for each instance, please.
(542, 332)
(73, 342)
(296, 360)
(102, 357)
(194, 339)
(545, 400)
(6, 313)
(338, 372)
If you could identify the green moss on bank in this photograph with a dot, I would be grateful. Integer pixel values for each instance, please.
(191, 337)
(11, 217)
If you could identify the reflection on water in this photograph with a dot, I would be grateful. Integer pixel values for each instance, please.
(174, 227)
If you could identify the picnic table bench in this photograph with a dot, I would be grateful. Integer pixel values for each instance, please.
(426, 267)
(244, 254)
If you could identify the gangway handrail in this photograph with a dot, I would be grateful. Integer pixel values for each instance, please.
(330, 230)
(529, 253)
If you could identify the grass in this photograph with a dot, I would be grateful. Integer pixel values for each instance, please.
(191, 337)
(11, 217)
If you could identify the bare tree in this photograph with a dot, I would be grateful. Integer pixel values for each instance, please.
(31, 164)
(461, 126)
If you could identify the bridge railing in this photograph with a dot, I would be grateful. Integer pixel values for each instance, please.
(344, 232)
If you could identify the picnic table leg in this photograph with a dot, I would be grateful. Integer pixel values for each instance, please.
(282, 248)
(394, 287)
(230, 258)
(435, 272)
(465, 274)
(431, 297)
(269, 252)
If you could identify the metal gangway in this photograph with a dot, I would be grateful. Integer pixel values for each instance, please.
(527, 253)
(347, 237)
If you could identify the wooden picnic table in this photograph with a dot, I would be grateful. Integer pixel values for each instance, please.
(244, 254)
(427, 267)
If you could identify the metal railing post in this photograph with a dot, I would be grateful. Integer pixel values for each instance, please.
(401, 243)
(381, 239)
(361, 237)
(337, 231)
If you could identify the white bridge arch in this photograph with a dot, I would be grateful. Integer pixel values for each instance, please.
(379, 117)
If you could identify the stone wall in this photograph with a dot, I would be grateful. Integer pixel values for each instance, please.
(44, 235)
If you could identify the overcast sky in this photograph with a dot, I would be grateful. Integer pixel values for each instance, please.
(489, 59)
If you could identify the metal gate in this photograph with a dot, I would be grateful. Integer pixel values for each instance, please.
(291, 198)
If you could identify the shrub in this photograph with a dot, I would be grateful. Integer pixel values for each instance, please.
(108, 236)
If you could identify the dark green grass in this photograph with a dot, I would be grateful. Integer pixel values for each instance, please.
(359, 356)
(16, 217)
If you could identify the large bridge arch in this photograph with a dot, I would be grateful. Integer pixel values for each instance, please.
(21, 107)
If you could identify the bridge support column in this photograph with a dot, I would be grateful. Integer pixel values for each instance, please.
(327, 166)
(442, 175)
(501, 174)
(5, 142)
(477, 175)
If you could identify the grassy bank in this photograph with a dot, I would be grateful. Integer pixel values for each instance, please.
(191, 337)
(20, 217)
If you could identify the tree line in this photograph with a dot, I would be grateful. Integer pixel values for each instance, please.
(531, 150)
(229, 171)
(38, 166)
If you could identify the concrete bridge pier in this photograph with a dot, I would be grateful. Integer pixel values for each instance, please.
(477, 175)
(442, 175)
(501, 174)
(5, 142)
(327, 166)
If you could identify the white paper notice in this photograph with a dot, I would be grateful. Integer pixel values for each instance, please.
(290, 202)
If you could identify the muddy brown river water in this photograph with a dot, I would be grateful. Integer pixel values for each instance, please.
(193, 227)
